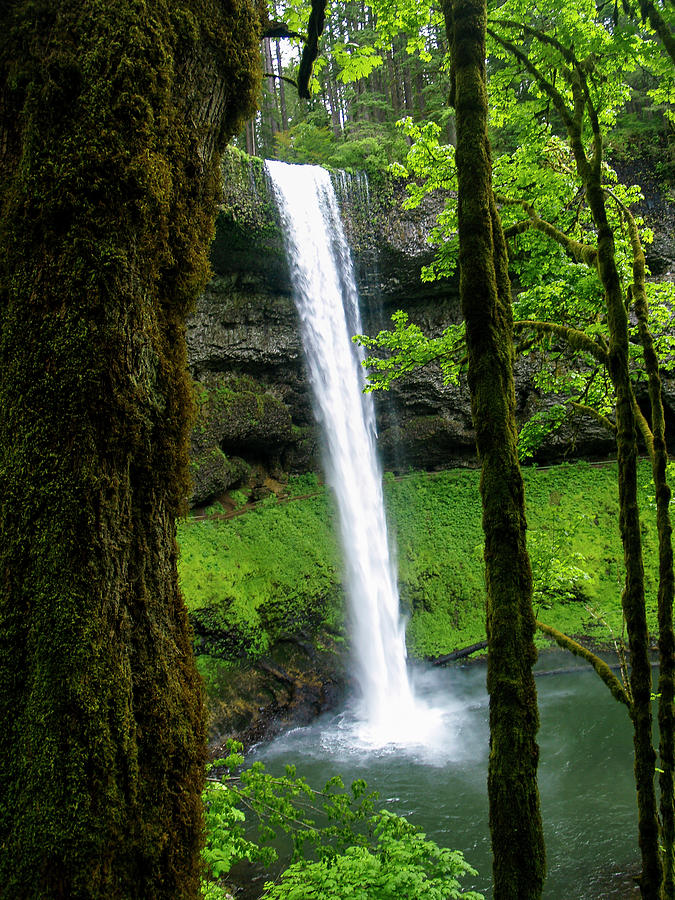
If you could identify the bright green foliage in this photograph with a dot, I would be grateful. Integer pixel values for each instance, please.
(401, 863)
(557, 570)
(355, 62)
(253, 576)
(342, 847)
(408, 349)
(537, 428)
(534, 172)
(552, 285)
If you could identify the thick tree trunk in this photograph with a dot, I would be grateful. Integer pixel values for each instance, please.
(515, 820)
(112, 117)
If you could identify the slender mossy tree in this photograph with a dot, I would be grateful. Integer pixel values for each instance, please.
(485, 293)
(112, 118)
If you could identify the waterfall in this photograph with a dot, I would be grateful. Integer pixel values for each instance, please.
(327, 301)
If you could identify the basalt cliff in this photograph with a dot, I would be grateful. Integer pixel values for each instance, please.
(255, 422)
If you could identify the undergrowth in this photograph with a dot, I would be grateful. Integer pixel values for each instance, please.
(277, 568)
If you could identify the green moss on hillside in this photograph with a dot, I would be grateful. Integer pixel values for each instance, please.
(277, 568)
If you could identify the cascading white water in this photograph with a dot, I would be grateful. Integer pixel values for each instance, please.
(327, 301)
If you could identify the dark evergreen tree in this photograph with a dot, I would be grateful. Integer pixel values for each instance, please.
(112, 119)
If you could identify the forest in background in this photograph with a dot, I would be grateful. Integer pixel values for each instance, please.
(365, 82)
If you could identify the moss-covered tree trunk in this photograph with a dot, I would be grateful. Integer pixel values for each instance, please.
(515, 820)
(633, 597)
(111, 119)
(659, 457)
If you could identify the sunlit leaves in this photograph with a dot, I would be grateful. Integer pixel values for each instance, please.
(342, 846)
(395, 353)
(355, 61)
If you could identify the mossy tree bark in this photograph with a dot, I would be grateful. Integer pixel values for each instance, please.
(633, 597)
(659, 457)
(515, 820)
(112, 117)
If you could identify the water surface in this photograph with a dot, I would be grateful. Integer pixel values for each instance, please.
(586, 784)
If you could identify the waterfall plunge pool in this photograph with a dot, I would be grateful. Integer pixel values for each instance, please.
(585, 774)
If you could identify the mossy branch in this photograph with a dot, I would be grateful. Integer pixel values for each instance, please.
(650, 13)
(643, 426)
(576, 339)
(583, 253)
(517, 228)
(281, 78)
(576, 77)
(639, 295)
(541, 36)
(549, 89)
(617, 690)
(587, 410)
(656, 445)
(639, 261)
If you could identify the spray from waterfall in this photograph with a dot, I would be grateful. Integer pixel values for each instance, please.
(328, 306)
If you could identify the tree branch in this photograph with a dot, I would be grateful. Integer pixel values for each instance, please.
(603, 670)
(280, 30)
(577, 340)
(581, 252)
(517, 228)
(587, 410)
(317, 19)
(546, 86)
(281, 78)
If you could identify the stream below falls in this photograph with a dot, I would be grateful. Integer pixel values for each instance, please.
(586, 781)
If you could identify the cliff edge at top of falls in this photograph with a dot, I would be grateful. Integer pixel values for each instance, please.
(255, 418)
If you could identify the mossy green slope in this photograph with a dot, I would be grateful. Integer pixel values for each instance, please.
(278, 567)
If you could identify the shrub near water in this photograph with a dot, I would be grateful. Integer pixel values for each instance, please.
(277, 568)
(343, 845)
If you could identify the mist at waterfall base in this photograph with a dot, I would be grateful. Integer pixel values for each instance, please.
(327, 302)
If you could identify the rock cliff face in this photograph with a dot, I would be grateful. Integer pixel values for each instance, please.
(255, 417)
